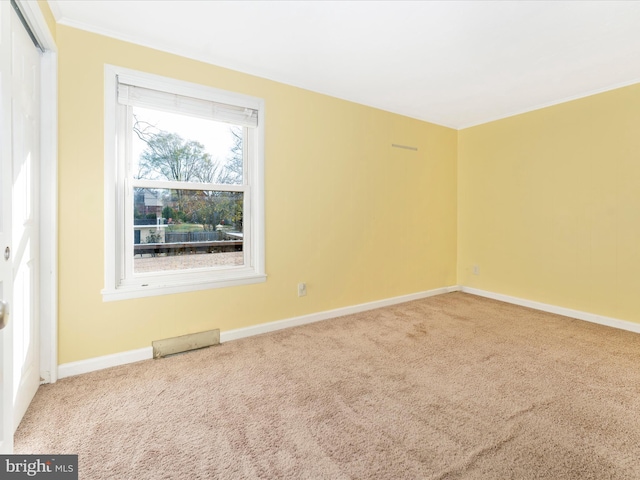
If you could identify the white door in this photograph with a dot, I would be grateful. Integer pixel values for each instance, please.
(19, 275)
(6, 339)
(25, 124)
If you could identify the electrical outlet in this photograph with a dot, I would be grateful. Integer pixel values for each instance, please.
(302, 289)
(476, 270)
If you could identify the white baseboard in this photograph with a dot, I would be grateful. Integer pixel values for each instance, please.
(567, 312)
(107, 361)
(327, 314)
(131, 356)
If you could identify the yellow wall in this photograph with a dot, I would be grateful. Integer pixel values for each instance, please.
(48, 16)
(549, 205)
(355, 219)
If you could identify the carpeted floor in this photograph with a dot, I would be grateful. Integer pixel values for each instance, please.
(450, 387)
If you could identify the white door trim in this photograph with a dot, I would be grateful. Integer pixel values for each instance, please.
(48, 192)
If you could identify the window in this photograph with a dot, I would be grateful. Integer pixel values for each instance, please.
(183, 186)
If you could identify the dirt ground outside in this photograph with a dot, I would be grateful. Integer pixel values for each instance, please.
(186, 261)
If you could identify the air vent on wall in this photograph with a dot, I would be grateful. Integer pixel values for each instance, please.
(185, 343)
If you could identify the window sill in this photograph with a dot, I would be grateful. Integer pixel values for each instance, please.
(127, 292)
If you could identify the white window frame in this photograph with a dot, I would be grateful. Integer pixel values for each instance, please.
(120, 283)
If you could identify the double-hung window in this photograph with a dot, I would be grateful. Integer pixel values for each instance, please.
(183, 186)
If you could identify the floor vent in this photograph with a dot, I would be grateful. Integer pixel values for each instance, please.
(185, 343)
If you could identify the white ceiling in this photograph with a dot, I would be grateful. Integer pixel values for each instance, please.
(452, 63)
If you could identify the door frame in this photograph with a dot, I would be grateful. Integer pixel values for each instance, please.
(48, 203)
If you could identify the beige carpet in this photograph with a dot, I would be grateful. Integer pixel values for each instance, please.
(450, 387)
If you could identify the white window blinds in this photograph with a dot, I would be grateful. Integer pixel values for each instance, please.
(171, 102)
